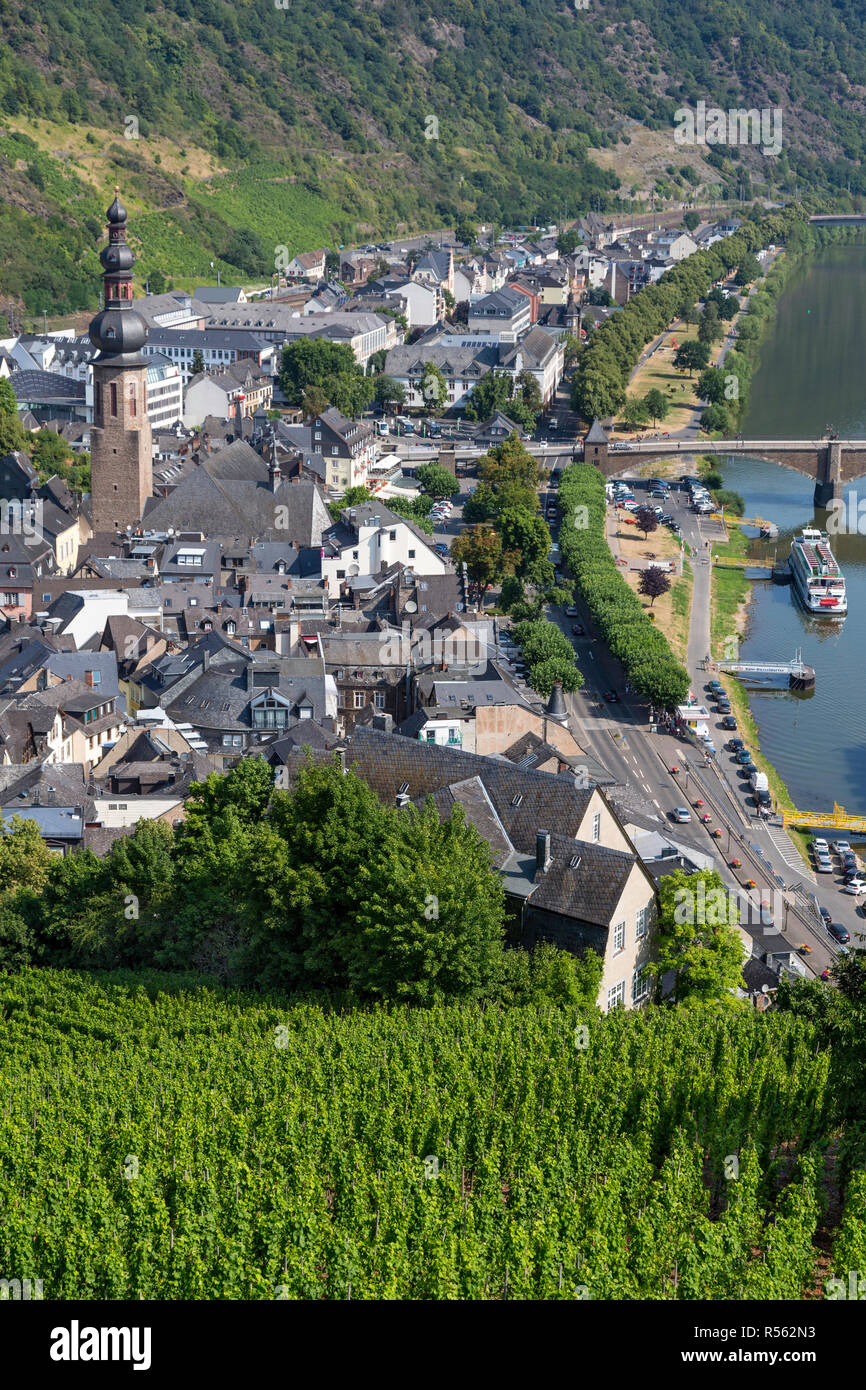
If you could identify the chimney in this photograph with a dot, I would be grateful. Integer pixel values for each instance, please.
(88, 678)
(205, 659)
(556, 704)
(385, 723)
(239, 414)
(542, 851)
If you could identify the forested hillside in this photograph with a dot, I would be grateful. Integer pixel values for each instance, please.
(238, 127)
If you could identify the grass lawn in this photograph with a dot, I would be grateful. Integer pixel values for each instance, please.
(671, 609)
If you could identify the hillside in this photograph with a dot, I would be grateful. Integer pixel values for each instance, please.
(168, 1142)
(236, 128)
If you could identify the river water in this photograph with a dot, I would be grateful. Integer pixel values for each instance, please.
(811, 374)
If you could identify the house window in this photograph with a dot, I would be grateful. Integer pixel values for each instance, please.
(392, 535)
(341, 699)
(596, 827)
(619, 938)
(639, 985)
(341, 574)
(616, 996)
(411, 554)
(237, 740)
(379, 699)
(641, 922)
(359, 699)
(227, 740)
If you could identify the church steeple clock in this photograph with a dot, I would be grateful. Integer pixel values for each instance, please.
(121, 458)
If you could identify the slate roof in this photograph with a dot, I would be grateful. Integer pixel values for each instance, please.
(229, 496)
(588, 891)
(596, 434)
(386, 763)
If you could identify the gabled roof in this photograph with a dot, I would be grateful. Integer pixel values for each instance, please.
(596, 434)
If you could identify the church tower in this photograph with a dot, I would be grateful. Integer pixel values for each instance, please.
(121, 459)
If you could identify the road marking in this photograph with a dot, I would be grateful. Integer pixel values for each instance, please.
(655, 803)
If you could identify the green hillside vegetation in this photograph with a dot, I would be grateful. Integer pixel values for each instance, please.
(310, 126)
(167, 1142)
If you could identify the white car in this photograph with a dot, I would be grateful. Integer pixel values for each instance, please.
(841, 846)
(820, 846)
(855, 887)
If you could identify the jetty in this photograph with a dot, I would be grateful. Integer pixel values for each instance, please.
(770, 675)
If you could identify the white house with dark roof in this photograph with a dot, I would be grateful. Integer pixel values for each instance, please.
(370, 538)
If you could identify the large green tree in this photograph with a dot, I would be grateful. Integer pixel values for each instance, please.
(697, 939)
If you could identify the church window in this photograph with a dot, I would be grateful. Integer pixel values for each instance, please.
(113, 390)
(132, 398)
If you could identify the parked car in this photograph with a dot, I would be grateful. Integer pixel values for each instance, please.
(744, 757)
(729, 722)
(838, 932)
(842, 847)
(826, 915)
(855, 887)
(681, 814)
(572, 612)
(735, 744)
(611, 697)
(441, 548)
(713, 685)
(822, 864)
(819, 843)
(578, 629)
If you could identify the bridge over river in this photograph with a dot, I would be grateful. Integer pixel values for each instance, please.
(831, 462)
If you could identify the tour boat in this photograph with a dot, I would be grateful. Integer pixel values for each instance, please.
(817, 578)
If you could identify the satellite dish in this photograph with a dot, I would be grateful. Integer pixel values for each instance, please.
(170, 531)
(354, 569)
(410, 607)
(461, 607)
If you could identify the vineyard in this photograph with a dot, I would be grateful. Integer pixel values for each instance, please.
(174, 1144)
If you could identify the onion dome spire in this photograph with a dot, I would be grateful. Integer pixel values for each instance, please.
(118, 331)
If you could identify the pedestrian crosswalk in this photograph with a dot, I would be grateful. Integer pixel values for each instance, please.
(786, 851)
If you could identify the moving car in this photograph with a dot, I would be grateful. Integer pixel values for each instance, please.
(681, 814)
(825, 914)
(578, 629)
(611, 697)
(572, 612)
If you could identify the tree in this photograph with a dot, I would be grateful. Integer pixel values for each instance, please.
(549, 656)
(748, 270)
(525, 539)
(352, 497)
(657, 404)
(430, 920)
(437, 481)
(450, 301)
(492, 393)
(716, 419)
(691, 219)
(466, 231)
(351, 392)
(729, 307)
(197, 362)
(434, 388)
(687, 310)
(712, 385)
(314, 402)
(691, 356)
(388, 392)
(566, 242)
(710, 328)
(12, 433)
(480, 550)
(246, 250)
(634, 412)
(596, 393)
(653, 583)
(527, 399)
(315, 362)
(571, 347)
(156, 282)
(697, 940)
(646, 520)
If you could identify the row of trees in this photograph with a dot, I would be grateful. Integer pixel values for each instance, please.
(318, 889)
(603, 369)
(549, 656)
(622, 622)
(519, 398)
